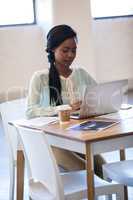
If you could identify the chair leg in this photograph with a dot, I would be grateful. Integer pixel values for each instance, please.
(12, 181)
(124, 196)
(125, 193)
(123, 157)
(121, 195)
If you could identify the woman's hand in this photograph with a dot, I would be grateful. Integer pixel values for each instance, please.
(76, 106)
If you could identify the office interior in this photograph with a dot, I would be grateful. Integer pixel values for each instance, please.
(105, 49)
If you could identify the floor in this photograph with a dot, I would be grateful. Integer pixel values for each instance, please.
(4, 170)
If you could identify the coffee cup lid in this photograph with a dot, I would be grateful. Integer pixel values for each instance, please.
(64, 107)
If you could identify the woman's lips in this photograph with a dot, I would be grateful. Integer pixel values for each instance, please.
(68, 62)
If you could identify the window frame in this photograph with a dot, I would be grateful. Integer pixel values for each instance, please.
(24, 24)
(110, 17)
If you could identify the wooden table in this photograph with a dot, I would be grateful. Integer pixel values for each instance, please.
(90, 143)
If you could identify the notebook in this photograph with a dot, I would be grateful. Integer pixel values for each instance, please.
(93, 125)
(102, 99)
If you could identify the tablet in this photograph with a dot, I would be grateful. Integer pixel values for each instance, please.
(93, 125)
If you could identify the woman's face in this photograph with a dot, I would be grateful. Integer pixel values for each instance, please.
(65, 52)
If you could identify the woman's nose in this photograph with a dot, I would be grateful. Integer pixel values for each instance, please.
(71, 54)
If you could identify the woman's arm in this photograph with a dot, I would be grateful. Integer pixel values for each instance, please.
(34, 107)
(76, 87)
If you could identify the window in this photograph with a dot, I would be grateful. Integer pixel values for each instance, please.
(16, 12)
(111, 8)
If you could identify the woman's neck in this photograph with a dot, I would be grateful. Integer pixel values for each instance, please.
(64, 71)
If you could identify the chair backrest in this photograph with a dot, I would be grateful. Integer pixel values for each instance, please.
(12, 110)
(41, 161)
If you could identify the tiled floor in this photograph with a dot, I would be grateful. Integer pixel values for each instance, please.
(4, 170)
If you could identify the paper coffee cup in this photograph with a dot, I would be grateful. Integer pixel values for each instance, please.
(64, 113)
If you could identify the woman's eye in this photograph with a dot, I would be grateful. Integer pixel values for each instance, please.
(74, 51)
(65, 51)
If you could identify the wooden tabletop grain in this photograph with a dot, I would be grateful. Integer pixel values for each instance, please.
(121, 129)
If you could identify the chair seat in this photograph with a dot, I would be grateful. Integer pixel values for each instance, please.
(121, 171)
(75, 187)
(38, 191)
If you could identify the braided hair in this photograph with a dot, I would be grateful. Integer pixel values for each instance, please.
(55, 37)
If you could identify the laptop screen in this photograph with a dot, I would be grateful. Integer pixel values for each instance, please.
(103, 98)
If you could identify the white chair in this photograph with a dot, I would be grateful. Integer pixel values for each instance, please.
(121, 172)
(45, 181)
(12, 110)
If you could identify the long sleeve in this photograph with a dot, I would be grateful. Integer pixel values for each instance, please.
(72, 90)
(35, 108)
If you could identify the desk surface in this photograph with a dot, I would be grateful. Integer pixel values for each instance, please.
(123, 128)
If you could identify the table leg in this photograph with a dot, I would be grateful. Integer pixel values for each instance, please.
(123, 157)
(122, 154)
(90, 172)
(20, 175)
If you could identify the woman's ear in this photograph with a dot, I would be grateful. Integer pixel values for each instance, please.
(53, 50)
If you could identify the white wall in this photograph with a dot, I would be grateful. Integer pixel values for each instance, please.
(44, 14)
(77, 14)
(21, 53)
(113, 48)
(105, 47)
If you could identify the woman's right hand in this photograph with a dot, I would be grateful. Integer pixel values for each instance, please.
(76, 106)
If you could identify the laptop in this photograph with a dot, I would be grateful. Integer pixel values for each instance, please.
(102, 99)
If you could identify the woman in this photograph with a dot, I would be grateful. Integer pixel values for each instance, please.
(60, 84)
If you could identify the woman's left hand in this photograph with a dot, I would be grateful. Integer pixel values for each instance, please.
(76, 106)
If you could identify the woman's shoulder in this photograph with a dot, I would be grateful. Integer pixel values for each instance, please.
(40, 77)
(82, 74)
(79, 70)
(42, 74)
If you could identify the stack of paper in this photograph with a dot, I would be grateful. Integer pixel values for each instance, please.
(38, 122)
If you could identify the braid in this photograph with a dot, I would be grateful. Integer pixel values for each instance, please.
(55, 37)
(54, 82)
